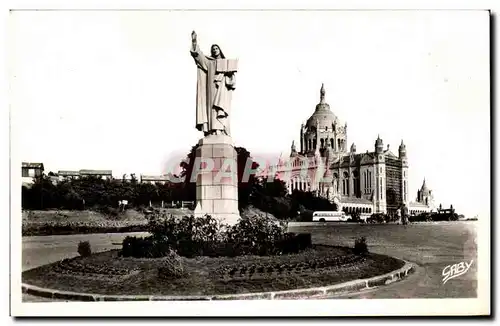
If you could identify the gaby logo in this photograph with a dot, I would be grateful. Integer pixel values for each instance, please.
(455, 270)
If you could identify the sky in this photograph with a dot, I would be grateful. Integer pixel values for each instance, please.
(116, 90)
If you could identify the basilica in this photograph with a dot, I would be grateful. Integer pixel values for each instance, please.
(374, 181)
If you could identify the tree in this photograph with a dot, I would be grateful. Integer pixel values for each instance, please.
(42, 194)
(133, 178)
(311, 202)
(245, 187)
(275, 188)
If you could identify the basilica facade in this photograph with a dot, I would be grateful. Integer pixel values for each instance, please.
(374, 181)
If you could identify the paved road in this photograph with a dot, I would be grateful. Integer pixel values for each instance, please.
(41, 250)
(431, 246)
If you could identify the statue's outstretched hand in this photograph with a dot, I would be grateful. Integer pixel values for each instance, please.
(193, 37)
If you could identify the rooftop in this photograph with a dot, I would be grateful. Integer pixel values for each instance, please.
(32, 165)
(95, 172)
(68, 173)
(156, 177)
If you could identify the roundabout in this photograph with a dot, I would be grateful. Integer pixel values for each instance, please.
(317, 271)
(428, 247)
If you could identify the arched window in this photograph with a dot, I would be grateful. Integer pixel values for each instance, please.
(322, 143)
(338, 144)
(381, 193)
(355, 182)
(331, 143)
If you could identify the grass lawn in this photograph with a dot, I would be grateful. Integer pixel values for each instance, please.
(64, 222)
(107, 273)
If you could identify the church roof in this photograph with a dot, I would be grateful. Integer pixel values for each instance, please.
(359, 159)
(390, 154)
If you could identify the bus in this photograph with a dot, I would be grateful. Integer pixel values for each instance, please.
(329, 216)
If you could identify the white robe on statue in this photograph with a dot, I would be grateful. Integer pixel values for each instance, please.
(215, 84)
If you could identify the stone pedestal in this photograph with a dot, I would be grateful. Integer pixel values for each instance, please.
(216, 172)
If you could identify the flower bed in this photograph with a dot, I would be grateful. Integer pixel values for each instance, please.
(108, 273)
(256, 271)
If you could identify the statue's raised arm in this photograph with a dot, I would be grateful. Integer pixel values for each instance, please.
(196, 53)
(194, 41)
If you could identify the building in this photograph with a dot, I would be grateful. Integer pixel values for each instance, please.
(153, 179)
(68, 175)
(104, 174)
(424, 202)
(29, 171)
(375, 181)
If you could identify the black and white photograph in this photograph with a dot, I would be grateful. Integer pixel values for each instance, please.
(250, 162)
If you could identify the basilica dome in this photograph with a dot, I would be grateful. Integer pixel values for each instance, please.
(322, 116)
(424, 190)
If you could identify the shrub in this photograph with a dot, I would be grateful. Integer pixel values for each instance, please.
(147, 247)
(171, 266)
(84, 249)
(189, 236)
(360, 246)
(205, 236)
(256, 235)
(294, 243)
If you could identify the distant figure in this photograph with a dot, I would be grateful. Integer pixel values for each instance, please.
(404, 214)
(398, 215)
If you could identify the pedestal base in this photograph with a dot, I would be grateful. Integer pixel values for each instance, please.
(216, 173)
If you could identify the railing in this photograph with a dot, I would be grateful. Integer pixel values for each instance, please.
(174, 204)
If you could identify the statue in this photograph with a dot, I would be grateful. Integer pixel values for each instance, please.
(215, 84)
